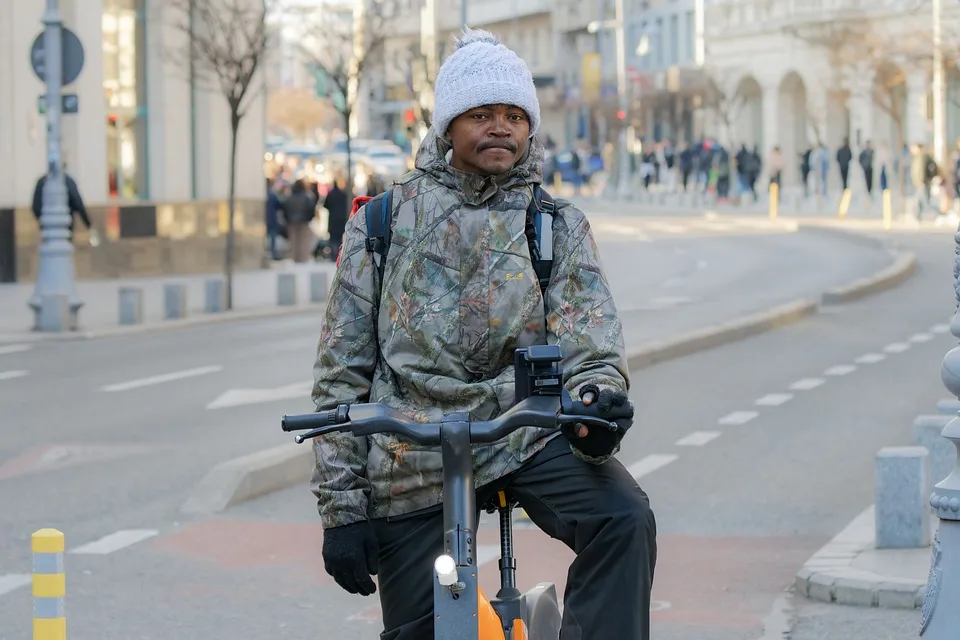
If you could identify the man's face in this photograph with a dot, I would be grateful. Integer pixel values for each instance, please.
(489, 140)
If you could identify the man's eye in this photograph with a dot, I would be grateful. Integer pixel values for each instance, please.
(479, 116)
(516, 117)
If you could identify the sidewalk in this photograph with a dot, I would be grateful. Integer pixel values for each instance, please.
(253, 292)
(851, 570)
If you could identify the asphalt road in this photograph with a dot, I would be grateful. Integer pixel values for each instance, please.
(94, 443)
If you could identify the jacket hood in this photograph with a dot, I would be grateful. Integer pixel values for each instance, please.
(433, 159)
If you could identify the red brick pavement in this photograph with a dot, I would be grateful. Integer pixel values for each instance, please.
(701, 582)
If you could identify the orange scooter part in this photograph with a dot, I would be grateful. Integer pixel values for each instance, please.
(491, 628)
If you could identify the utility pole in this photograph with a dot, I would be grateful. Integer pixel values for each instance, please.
(55, 295)
(463, 14)
(939, 128)
(623, 181)
(430, 51)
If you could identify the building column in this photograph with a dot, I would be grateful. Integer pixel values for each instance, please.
(916, 125)
(770, 132)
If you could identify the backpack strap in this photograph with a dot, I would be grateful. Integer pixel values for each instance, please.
(543, 209)
(379, 212)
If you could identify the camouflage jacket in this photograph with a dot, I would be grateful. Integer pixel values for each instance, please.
(459, 295)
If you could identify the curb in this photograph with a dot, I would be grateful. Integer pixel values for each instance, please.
(828, 576)
(168, 325)
(231, 482)
(719, 334)
(248, 477)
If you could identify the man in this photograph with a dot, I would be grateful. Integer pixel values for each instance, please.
(459, 294)
(75, 205)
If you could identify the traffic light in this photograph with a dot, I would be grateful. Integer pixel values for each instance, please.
(621, 115)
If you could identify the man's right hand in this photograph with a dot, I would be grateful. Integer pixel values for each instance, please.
(350, 556)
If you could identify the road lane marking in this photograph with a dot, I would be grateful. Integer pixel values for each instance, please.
(870, 358)
(13, 581)
(738, 417)
(698, 438)
(940, 328)
(773, 399)
(650, 464)
(15, 348)
(10, 375)
(840, 370)
(167, 377)
(115, 541)
(806, 384)
(896, 347)
(921, 337)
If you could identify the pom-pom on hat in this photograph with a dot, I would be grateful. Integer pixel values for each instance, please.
(482, 71)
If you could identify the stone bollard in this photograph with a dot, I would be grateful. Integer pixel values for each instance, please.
(54, 314)
(49, 585)
(131, 305)
(949, 406)
(215, 296)
(174, 301)
(318, 286)
(286, 289)
(926, 433)
(902, 484)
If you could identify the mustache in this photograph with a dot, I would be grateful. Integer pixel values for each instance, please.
(509, 145)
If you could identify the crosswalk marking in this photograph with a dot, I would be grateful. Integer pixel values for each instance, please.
(773, 399)
(806, 384)
(13, 581)
(698, 438)
(840, 370)
(14, 348)
(650, 464)
(10, 375)
(166, 377)
(738, 417)
(870, 358)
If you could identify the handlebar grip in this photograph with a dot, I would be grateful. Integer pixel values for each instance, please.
(316, 420)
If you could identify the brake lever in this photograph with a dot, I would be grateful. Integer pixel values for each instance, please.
(587, 421)
(322, 431)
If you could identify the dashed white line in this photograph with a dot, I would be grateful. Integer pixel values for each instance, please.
(10, 375)
(13, 581)
(940, 328)
(738, 417)
(921, 337)
(167, 377)
(650, 464)
(870, 358)
(115, 541)
(840, 370)
(773, 399)
(15, 348)
(896, 347)
(698, 438)
(806, 384)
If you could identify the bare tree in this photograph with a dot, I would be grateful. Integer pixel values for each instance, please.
(298, 111)
(345, 50)
(722, 97)
(225, 45)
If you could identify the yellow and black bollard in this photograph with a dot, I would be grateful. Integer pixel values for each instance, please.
(774, 199)
(49, 586)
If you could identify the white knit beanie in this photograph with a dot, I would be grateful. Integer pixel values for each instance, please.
(482, 71)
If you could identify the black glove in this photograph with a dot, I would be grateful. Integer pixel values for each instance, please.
(609, 404)
(350, 556)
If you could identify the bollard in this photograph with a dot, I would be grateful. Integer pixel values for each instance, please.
(902, 484)
(54, 313)
(174, 301)
(844, 203)
(131, 305)
(318, 286)
(940, 616)
(887, 209)
(214, 299)
(49, 586)
(286, 289)
(774, 199)
(948, 406)
(926, 434)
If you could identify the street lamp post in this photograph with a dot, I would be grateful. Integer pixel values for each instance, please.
(939, 144)
(463, 14)
(55, 293)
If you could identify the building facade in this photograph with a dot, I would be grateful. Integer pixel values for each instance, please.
(786, 89)
(143, 132)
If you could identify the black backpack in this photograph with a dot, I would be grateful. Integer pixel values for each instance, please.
(379, 212)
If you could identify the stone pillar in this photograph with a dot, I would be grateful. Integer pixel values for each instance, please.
(940, 618)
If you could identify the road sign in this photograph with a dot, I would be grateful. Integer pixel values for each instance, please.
(69, 103)
(72, 50)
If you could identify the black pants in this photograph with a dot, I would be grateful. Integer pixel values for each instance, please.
(598, 511)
